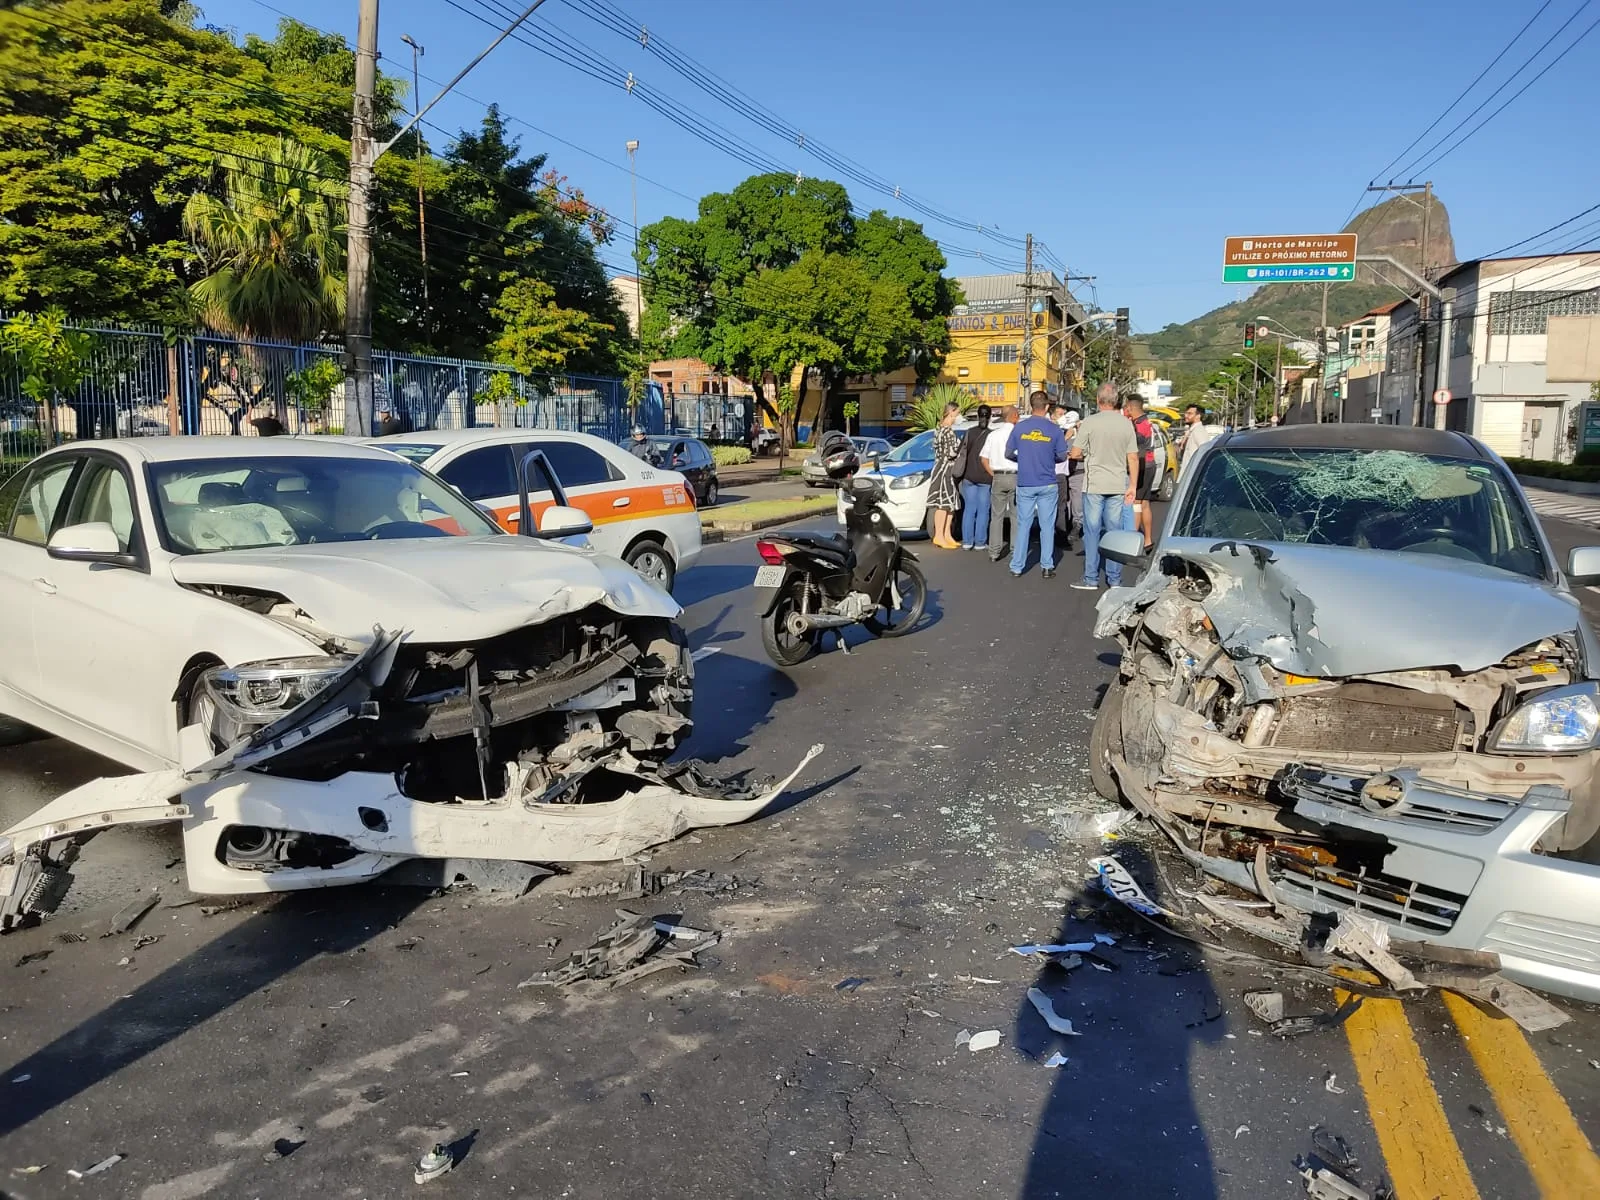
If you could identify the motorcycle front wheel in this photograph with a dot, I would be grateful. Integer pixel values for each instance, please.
(912, 586)
(783, 647)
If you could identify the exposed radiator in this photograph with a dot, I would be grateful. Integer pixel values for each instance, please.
(1366, 717)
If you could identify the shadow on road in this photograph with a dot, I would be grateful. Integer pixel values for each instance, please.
(230, 968)
(1120, 1118)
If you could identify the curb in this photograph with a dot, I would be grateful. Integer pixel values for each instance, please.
(719, 531)
(1547, 483)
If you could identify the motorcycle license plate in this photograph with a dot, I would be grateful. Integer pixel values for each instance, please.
(770, 577)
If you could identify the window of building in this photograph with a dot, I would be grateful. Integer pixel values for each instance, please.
(1461, 336)
(1530, 312)
(1003, 354)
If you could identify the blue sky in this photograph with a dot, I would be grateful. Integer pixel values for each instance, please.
(1130, 138)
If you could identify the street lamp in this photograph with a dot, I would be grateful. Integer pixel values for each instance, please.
(632, 147)
(422, 221)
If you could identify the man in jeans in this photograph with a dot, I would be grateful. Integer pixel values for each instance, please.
(1036, 446)
(1003, 489)
(1110, 453)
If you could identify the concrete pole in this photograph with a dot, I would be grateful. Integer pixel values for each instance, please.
(1026, 379)
(358, 393)
(1442, 366)
(422, 218)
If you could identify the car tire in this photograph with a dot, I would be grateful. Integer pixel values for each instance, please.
(650, 559)
(1168, 486)
(711, 494)
(1105, 740)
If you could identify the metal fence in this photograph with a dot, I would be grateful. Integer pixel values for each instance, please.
(144, 382)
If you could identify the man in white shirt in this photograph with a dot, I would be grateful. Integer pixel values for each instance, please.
(1003, 492)
(1196, 433)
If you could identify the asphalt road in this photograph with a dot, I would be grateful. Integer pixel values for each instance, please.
(817, 1056)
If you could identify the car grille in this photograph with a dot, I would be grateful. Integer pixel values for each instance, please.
(1369, 718)
(1401, 902)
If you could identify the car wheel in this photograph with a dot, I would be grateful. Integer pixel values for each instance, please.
(1168, 486)
(1106, 740)
(711, 494)
(652, 561)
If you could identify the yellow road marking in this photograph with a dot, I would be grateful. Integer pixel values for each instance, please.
(1421, 1153)
(1559, 1157)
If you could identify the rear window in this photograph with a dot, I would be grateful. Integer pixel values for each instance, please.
(416, 452)
(576, 465)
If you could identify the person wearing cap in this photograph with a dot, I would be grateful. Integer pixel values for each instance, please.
(640, 446)
(389, 424)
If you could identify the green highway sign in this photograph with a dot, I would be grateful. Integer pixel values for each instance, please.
(1293, 258)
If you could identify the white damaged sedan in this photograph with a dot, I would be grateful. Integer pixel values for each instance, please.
(323, 661)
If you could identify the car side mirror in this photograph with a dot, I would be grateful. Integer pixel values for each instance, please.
(1583, 566)
(1123, 546)
(92, 542)
(560, 521)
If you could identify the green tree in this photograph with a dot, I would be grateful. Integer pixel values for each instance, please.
(272, 243)
(51, 359)
(539, 336)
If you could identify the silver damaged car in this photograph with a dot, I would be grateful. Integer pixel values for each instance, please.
(1353, 676)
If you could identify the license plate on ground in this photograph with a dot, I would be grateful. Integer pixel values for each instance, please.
(770, 576)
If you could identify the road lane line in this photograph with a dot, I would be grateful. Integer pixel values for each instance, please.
(1419, 1149)
(1559, 1157)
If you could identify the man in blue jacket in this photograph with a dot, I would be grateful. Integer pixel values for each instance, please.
(1036, 446)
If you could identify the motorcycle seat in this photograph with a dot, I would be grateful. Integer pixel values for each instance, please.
(829, 543)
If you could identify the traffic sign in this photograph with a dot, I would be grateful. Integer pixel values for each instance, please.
(1299, 258)
(1442, 396)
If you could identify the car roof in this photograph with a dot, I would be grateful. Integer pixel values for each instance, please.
(178, 449)
(1353, 436)
(446, 439)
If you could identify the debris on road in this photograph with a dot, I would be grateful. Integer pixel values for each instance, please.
(849, 985)
(628, 950)
(21, 1078)
(509, 879)
(1322, 1182)
(984, 1039)
(105, 1164)
(1041, 950)
(1047, 1010)
(433, 1164)
(1330, 1083)
(1334, 1150)
(1117, 883)
(36, 956)
(1094, 826)
(1057, 1059)
(1532, 1012)
(1367, 938)
(633, 882)
(1267, 1006)
(130, 914)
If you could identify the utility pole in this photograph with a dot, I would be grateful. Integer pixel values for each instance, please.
(422, 219)
(638, 274)
(364, 154)
(1026, 382)
(1322, 355)
(358, 396)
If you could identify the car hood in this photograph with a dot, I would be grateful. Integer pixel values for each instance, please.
(894, 470)
(437, 589)
(1330, 611)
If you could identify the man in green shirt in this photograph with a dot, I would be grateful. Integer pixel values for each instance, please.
(1110, 454)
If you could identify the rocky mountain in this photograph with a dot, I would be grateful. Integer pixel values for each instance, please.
(1394, 228)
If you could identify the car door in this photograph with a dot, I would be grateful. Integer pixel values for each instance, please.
(31, 503)
(487, 476)
(103, 633)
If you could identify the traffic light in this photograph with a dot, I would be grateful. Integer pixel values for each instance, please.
(1122, 322)
(1249, 337)
(1337, 390)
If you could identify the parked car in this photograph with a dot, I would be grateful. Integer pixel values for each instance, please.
(906, 472)
(871, 450)
(1354, 646)
(692, 459)
(325, 661)
(763, 440)
(642, 513)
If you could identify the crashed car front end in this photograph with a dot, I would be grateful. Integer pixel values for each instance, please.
(1306, 729)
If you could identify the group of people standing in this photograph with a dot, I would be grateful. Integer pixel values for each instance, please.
(1052, 469)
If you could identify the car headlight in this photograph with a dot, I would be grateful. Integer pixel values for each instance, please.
(915, 479)
(233, 702)
(1559, 721)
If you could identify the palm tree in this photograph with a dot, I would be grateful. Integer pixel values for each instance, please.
(272, 240)
(927, 410)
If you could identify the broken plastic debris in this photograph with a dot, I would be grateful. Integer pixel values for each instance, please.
(1324, 1183)
(984, 1039)
(21, 1078)
(1087, 827)
(849, 985)
(963, 1038)
(1268, 1006)
(105, 1164)
(1331, 1084)
(33, 1170)
(1333, 1150)
(129, 914)
(977, 979)
(1042, 950)
(343, 1003)
(633, 882)
(681, 932)
(1367, 939)
(1047, 1010)
(1238, 1131)
(35, 956)
(1121, 886)
(628, 950)
(1057, 1059)
(1105, 939)
(433, 1164)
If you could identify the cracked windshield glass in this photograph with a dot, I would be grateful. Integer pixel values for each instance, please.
(1365, 499)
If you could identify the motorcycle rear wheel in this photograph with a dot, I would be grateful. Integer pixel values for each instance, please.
(782, 647)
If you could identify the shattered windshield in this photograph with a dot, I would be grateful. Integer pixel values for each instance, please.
(246, 503)
(1365, 499)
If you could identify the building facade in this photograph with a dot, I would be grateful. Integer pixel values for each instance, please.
(1512, 318)
(1009, 329)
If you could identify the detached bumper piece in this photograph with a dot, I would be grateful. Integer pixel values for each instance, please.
(1438, 864)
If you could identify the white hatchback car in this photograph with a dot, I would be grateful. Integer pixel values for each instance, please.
(642, 514)
(906, 472)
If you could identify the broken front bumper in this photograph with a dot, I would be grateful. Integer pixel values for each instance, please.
(363, 815)
(1455, 867)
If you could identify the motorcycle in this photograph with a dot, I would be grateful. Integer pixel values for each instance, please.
(814, 582)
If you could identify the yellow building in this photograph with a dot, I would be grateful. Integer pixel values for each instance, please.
(1001, 325)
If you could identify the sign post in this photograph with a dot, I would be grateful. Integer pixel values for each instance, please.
(1297, 258)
